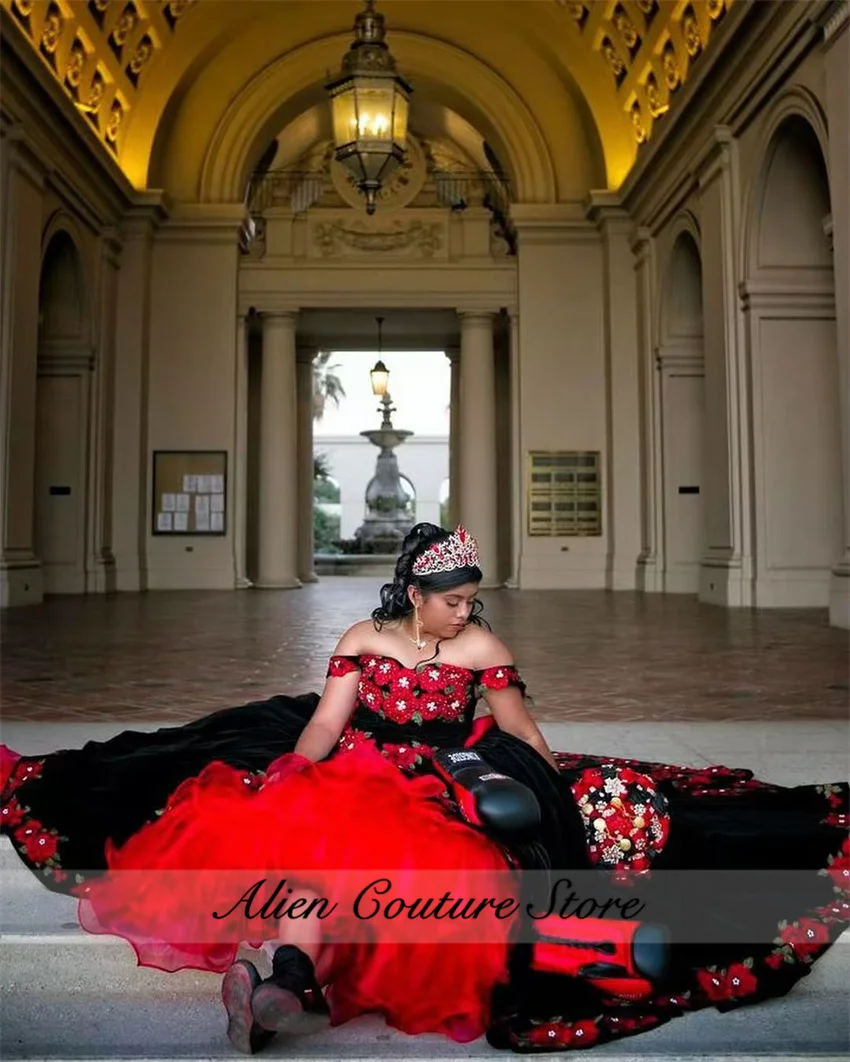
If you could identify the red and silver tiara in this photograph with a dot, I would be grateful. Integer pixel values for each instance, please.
(459, 550)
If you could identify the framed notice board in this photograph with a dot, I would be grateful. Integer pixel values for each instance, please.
(189, 492)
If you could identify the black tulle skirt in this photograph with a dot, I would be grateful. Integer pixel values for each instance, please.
(74, 813)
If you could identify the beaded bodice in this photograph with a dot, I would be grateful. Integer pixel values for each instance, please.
(407, 712)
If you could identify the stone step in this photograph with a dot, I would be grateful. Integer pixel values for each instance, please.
(71, 996)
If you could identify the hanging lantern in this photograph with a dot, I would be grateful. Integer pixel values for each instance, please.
(370, 103)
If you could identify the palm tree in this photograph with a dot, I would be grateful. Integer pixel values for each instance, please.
(327, 386)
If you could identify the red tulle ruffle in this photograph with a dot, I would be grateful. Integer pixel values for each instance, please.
(331, 828)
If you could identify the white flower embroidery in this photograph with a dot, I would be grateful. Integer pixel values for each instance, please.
(615, 787)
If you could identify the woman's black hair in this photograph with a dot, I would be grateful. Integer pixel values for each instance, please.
(395, 600)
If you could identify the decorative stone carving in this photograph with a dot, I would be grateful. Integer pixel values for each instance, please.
(124, 27)
(52, 31)
(76, 62)
(690, 31)
(616, 64)
(626, 28)
(140, 56)
(637, 123)
(25, 7)
(113, 124)
(653, 97)
(412, 238)
(672, 73)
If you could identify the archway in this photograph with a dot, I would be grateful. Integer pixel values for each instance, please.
(62, 416)
(682, 389)
(790, 308)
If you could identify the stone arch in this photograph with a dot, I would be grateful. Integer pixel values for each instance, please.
(288, 85)
(799, 111)
(681, 385)
(64, 309)
(63, 412)
(789, 309)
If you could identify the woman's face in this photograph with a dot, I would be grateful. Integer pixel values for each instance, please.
(444, 613)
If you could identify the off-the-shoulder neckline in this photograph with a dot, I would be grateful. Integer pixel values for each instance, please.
(423, 663)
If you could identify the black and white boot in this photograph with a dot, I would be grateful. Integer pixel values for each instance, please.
(291, 1000)
(237, 990)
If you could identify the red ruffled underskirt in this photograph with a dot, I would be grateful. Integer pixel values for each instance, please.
(354, 813)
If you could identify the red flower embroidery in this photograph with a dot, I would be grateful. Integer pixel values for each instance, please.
(12, 814)
(806, 937)
(740, 980)
(342, 665)
(839, 867)
(39, 844)
(24, 771)
(713, 984)
(432, 678)
(498, 678)
(404, 756)
(384, 671)
(433, 706)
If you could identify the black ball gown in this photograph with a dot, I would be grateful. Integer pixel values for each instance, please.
(130, 826)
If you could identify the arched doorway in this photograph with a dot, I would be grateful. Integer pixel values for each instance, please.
(789, 302)
(62, 416)
(682, 388)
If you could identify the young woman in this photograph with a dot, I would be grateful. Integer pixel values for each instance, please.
(325, 792)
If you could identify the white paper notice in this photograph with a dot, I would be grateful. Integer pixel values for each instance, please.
(217, 503)
(202, 503)
(202, 484)
(181, 521)
(182, 503)
(216, 484)
(169, 503)
(217, 522)
(189, 484)
(163, 522)
(202, 521)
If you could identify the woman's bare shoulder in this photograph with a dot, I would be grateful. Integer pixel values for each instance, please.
(356, 639)
(483, 649)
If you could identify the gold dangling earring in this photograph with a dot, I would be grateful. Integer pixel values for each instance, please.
(419, 643)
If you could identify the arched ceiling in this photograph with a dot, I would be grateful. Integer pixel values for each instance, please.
(565, 91)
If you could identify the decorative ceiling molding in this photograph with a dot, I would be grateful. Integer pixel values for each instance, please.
(649, 49)
(100, 51)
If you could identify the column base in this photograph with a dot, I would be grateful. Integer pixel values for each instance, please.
(620, 573)
(277, 583)
(308, 577)
(21, 581)
(649, 579)
(726, 581)
(839, 596)
(242, 583)
(101, 576)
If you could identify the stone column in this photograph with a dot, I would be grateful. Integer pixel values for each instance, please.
(837, 54)
(240, 456)
(727, 575)
(477, 404)
(278, 504)
(650, 563)
(622, 498)
(304, 369)
(453, 355)
(21, 579)
(517, 472)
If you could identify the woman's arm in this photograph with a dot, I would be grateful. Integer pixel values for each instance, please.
(334, 708)
(508, 705)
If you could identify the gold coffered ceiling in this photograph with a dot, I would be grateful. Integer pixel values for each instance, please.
(578, 86)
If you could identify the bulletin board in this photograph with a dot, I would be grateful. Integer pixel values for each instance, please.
(189, 492)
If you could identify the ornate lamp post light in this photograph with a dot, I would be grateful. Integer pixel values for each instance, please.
(370, 102)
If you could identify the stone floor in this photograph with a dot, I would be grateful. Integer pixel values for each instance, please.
(586, 656)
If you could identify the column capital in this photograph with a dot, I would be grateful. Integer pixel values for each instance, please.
(473, 316)
(834, 19)
(283, 318)
(452, 353)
